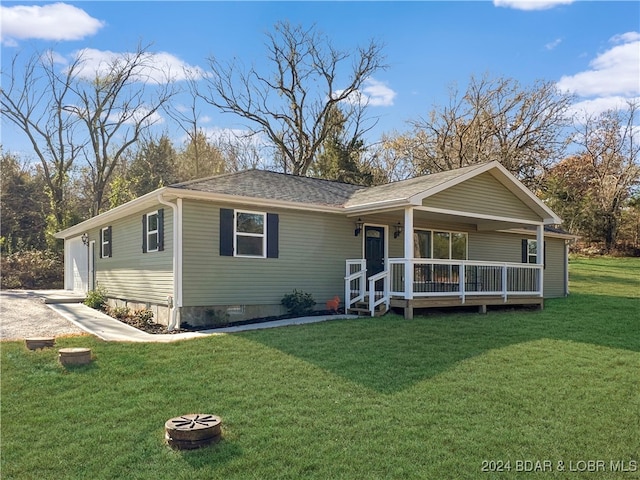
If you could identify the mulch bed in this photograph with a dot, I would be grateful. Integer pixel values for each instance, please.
(156, 328)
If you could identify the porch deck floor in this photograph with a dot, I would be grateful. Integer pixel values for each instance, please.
(408, 305)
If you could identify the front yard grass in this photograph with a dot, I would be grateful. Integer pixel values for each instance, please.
(434, 397)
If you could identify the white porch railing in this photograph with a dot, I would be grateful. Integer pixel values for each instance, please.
(440, 278)
(379, 294)
(357, 288)
(355, 281)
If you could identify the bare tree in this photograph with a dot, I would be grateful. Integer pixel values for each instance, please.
(187, 117)
(611, 147)
(495, 119)
(68, 115)
(291, 106)
(115, 108)
(388, 164)
(34, 99)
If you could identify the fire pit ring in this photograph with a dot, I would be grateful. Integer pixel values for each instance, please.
(74, 356)
(35, 343)
(194, 430)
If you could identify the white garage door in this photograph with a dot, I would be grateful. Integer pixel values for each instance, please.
(76, 271)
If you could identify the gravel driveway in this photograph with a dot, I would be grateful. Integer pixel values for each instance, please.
(23, 314)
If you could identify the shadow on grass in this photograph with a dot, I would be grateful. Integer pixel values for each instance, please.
(627, 282)
(80, 369)
(390, 354)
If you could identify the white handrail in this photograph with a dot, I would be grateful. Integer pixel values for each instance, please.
(463, 278)
(373, 303)
(349, 277)
(507, 283)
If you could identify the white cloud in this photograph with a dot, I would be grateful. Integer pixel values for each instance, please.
(554, 44)
(378, 93)
(626, 37)
(596, 106)
(373, 93)
(531, 4)
(154, 68)
(57, 22)
(614, 72)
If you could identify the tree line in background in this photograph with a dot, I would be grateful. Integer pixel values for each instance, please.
(95, 148)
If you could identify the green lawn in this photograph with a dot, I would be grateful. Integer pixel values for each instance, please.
(430, 398)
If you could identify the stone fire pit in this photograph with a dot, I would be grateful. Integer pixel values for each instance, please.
(192, 431)
(74, 356)
(35, 343)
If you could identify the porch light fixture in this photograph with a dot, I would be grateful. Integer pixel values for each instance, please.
(85, 238)
(358, 227)
(398, 231)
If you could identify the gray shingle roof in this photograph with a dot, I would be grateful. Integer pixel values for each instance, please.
(275, 186)
(405, 188)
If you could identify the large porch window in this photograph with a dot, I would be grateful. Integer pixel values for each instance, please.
(440, 245)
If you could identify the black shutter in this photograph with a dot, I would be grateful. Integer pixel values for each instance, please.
(525, 251)
(226, 232)
(544, 252)
(144, 233)
(161, 229)
(110, 241)
(272, 235)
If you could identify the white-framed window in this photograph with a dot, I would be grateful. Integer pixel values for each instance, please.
(250, 232)
(105, 242)
(532, 251)
(440, 244)
(153, 231)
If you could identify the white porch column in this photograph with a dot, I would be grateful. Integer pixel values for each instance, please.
(540, 254)
(408, 252)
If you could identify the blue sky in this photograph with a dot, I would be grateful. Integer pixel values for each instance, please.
(590, 48)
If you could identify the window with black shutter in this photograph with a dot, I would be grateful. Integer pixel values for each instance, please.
(153, 231)
(530, 251)
(246, 233)
(106, 242)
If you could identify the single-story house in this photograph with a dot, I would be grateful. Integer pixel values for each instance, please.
(231, 246)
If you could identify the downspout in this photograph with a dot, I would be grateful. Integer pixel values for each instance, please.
(176, 304)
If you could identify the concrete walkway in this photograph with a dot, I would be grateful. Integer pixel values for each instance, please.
(112, 330)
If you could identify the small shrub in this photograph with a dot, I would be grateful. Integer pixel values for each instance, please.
(143, 315)
(298, 302)
(96, 299)
(120, 312)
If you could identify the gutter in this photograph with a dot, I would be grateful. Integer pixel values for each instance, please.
(175, 303)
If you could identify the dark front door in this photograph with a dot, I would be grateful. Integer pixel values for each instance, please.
(374, 249)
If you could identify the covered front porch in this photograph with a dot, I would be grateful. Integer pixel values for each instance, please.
(472, 236)
(415, 257)
(411, 283)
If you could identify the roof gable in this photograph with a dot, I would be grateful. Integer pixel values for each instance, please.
(414, 191)
(482, 194)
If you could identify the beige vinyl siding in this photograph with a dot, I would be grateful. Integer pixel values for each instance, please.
(313, 248)
(507, 247)
(130, 274)
(554, 274)
(483, 195)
